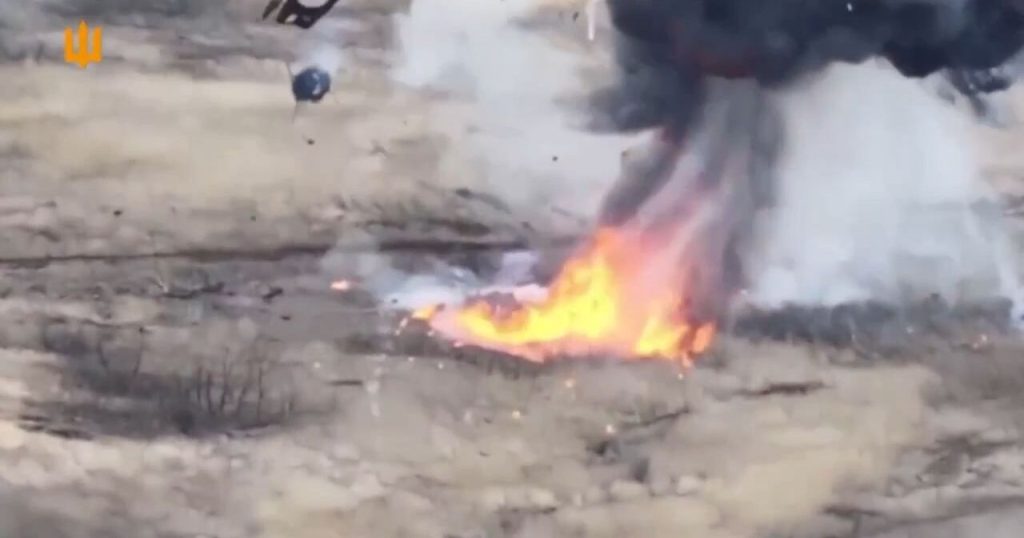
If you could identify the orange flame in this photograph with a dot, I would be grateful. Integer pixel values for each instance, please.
(611, 297)
(426, 312)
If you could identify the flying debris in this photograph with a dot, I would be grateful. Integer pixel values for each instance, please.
(297, 13)
(312, 83)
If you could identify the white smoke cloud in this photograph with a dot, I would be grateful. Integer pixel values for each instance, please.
(879, 197)
(321, 45)
(525, 145)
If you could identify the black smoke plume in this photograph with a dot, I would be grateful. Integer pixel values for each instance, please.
(688, 65)
(666, 48)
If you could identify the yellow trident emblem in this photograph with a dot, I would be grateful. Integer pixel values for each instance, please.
(84, 54)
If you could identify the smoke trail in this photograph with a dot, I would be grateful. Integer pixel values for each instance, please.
(319, 50)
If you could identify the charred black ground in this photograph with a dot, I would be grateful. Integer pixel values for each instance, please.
(874, 328)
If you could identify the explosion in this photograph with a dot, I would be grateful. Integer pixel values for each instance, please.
(655, 276)
(665, 257)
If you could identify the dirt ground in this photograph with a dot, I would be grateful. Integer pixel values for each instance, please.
(174, 364)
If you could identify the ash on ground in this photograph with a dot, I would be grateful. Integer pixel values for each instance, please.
(877, 328)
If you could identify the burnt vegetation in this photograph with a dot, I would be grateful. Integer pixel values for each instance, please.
(873, 328)
(129, 381)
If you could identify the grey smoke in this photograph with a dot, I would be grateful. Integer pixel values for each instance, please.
(320, 47)
(667, 48)
(502, 113)
(818, 184)
(440, 283)
(879, 197)
(904, 220)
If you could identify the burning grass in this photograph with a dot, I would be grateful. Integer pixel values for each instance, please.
(602, 304)
(653, 278)
(601, 301)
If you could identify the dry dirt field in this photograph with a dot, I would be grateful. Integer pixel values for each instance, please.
(174, 364)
